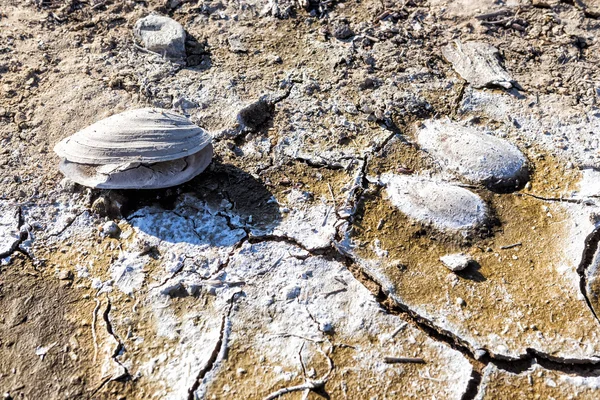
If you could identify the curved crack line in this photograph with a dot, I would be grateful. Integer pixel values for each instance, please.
(120, 346)
(557, 199)
(472, 386)
(23, 235)
(587, 258)
(316, 385)
(220, 347)
(68, 225)
(125, 375)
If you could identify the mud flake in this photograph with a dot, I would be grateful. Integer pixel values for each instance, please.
(478, 63)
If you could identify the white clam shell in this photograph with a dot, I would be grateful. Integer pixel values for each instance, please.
(139, 149)
(139, 175)
(143, 135)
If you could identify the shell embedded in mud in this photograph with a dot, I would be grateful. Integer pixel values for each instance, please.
(146, 148)
(441, 204)
(476, 156)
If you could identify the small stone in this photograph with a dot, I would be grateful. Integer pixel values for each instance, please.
(367, 83)
(241, 371)
(461, 302)
(99, 205)
(479, 354)
(456, 262)
(342, 30)
(236, 45)
(161, 35)
(326, 327)
(111, 229)
(65, 275)
(441, 204)
(275, 59)
(291, 292)
(478, 157)
(109, 205)
(253, 116)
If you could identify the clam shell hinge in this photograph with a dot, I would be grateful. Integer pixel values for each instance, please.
(146, 148)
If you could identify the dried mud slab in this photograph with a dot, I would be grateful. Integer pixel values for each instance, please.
(536, 382)
(590, 7)
(321, 218)
(188, 313)
(478, 63)
(521, 293)
(154, 291)
(312, 323)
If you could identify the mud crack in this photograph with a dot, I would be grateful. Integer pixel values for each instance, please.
(587, 258)
(120, 346)
(70, 222)
(219, 348)
(23, 235)
(586, 202)
(310, 385)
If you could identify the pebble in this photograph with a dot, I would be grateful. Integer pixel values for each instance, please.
(342, 30)
(444, 205)
(65, 275)
(291, 292)
(236, 44)
(255, 115)
(111, 229)
(161, 35)
(326, 327)
(479, 354)
(456, 262)
(461, 302)
(476, 156)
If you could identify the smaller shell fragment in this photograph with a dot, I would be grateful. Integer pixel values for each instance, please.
(478, 63)
(161, 35)
(456, 262)
(138, 149)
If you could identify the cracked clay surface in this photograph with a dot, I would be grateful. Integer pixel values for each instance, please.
(351, 156)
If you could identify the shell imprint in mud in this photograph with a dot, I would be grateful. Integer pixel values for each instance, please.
(444, 205)
(478, 157)
(146, 148)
